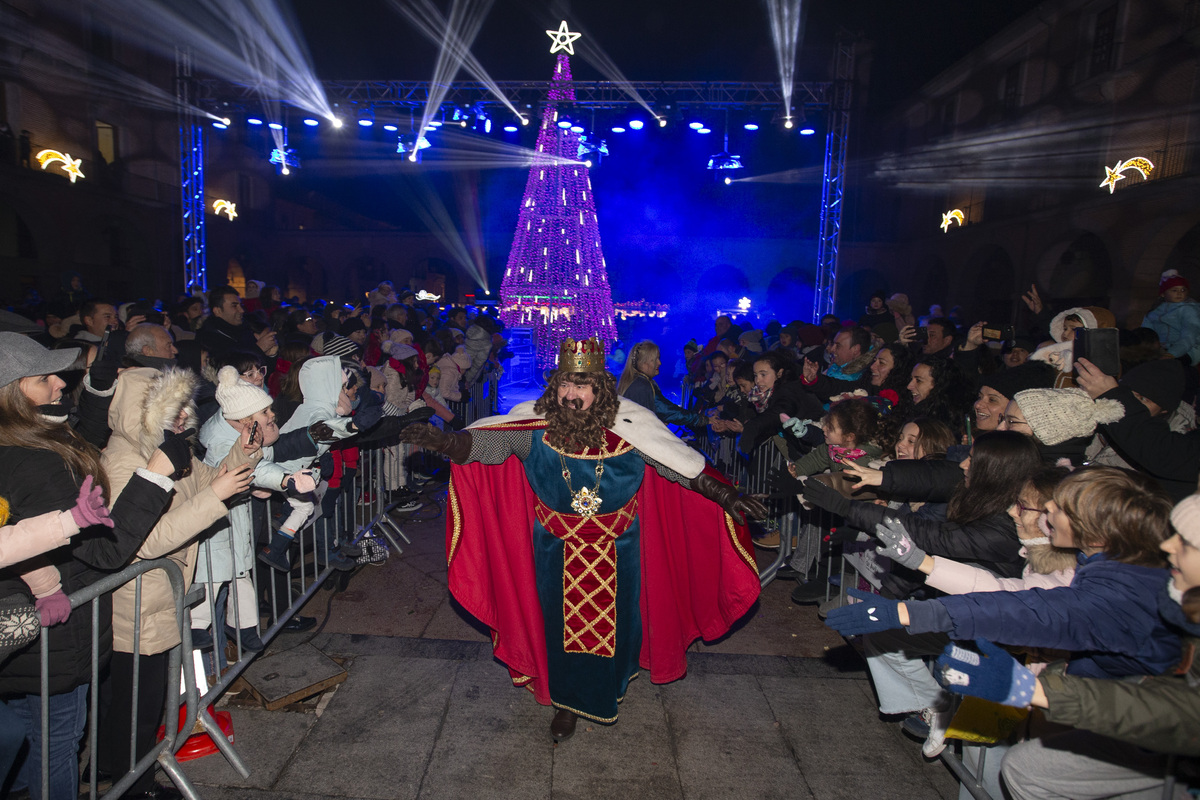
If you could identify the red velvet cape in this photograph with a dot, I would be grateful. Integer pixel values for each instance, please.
(698, 570)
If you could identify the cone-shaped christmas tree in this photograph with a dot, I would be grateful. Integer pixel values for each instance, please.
(557, 282)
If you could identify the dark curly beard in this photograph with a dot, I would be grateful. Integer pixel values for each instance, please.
(571, 428)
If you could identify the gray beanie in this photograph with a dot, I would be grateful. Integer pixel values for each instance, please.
(1057, 415)
(22, 357)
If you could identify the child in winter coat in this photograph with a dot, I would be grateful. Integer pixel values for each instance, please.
(1176, 319)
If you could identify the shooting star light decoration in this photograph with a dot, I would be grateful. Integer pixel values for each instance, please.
(1142, 165)
(69, 165)
(952, 216)
(225, 207)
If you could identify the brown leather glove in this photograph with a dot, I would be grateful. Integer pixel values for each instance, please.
(456, 445)
(737, 505)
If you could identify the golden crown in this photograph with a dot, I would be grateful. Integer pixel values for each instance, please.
(584, 355)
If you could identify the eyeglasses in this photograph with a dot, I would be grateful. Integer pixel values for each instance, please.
(259, 371)
(1033, 510)
(1009, 421)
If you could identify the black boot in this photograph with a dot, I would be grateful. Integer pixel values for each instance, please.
(562, 727)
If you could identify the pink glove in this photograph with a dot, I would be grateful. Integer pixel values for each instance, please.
(54, 608)
(89, 507)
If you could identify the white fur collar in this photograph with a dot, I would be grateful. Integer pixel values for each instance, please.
(636, 425)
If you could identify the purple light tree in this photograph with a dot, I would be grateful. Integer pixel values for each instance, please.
(557, 281)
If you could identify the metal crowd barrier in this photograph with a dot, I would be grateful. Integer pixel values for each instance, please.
(359, 512)
(162, 753)
(484, 400)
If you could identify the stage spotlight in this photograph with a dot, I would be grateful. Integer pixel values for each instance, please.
(695, 125)
(728, 180)
(617, 129)
(337, 122)
(253, 121)
(275, 126)
(365, 122)
(511, 128)
(751, 126)
(312, 123)
(787, 122)
(807, 131)
(285, 171)
(636, 124)
(524, 120)
(704, 130)
(219, 125)
(576, 129)
(662, 122)
(390, 128)
(227, 121)
(487, 125)
(588, 163)
(593, 149)
(564, 123)
(436, 123)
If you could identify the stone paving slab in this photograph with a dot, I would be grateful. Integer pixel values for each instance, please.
(431, 719)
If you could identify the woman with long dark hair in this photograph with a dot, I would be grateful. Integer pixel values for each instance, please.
(43, 464)
(778, 390)
(937, 389)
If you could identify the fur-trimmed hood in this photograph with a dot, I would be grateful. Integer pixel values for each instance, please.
(1092, 316)
(147, 402)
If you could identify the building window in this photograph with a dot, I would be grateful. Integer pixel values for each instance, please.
(1012, 90)
(1104, 41)
(106, 141)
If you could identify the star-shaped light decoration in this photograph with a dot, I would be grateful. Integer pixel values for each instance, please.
(563, 39)
(69, 165)
(951, 216)
(1114, 174)
(225, 207)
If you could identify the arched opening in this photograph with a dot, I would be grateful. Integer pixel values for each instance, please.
(790, 296)
(991, 286)
(1080, 276)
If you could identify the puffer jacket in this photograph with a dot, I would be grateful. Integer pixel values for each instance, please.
(453, 366)
(146, 402)
(1108, 617)
(35, 482)
(1160, 713)
(226, 549)
(1178, 328)
(478, 347)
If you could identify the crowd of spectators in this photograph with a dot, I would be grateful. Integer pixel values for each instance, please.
(1015, 498)
(209, 433)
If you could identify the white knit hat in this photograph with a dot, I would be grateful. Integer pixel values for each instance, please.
(1056, 415)
(238, 398)
(1185, 517)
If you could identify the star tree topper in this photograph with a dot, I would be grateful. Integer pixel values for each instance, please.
(563, 39)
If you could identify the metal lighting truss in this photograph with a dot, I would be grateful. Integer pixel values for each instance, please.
(191, 176)
(593, 94)
(834, 184)
(834, 98)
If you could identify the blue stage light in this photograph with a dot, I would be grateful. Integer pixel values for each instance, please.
(390, 128)
(807, 131)
(220, 125)
(636, 124)
(695, 125)
(366, 123)
(576, 129)
(487, 125)
(275, 126)
(253, 121)
(312, 123)
(510, 128)
(704, 130)
(751, 126)
(564, 123)
(617, 129)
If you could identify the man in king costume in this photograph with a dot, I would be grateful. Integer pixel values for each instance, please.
(590, 540)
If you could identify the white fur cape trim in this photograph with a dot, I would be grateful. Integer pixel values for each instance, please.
(636, 425)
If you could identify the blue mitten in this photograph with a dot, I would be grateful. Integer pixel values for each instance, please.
(873, 615)
(991, 674)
